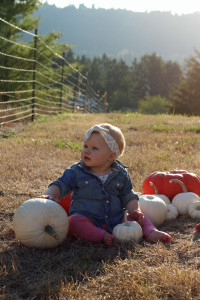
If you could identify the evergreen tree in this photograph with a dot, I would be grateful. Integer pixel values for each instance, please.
(152, 76)
(126, 85)
(96, 75)
(185, 97)
(17, 52)
(18, 13)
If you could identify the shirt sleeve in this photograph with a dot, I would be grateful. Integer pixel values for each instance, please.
(128, 194)
(66, 182)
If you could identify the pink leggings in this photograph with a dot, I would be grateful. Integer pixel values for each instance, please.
(83, 228)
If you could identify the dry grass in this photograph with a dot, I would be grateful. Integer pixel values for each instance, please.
(35, 154)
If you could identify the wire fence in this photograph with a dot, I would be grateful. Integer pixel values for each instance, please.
(35, 80)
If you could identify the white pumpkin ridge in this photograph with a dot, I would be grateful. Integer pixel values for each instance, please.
(183, 200)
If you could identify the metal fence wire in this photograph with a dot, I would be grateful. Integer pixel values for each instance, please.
(37, 81)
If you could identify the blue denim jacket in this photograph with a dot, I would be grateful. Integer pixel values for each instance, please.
(102, 203)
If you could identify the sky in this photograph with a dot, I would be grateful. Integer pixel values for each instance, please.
(174, 6)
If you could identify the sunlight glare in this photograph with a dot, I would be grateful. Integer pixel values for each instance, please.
(173, 6)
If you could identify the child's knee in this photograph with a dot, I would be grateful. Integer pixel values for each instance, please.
(79, 222)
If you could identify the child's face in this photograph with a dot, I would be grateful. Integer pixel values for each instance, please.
(96, 154)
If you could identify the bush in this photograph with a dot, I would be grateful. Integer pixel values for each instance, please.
(153, 105)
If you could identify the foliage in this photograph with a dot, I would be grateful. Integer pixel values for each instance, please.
(126, 85)
(161, 85)
(153, 76)
(153, 105)
(185, 97)
(15, 11)
(18, 14)
(19, 49)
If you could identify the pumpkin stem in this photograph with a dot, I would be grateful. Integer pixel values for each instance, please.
(181, 183)
(155, 188)
(49, 229)
(125, 218)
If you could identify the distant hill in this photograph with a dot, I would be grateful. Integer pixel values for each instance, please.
(121, 33)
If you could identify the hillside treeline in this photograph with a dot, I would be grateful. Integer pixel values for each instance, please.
(148, 85)
(122, 33)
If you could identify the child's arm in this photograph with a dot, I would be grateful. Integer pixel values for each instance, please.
(135, 212)
(52, 193)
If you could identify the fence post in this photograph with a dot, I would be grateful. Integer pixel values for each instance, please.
(62, 79)
(76, 89)
(85, 93)
(105, 102)
(34, 70)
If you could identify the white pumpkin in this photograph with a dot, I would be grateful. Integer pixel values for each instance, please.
(161, 196)
(127, 231)
(183, 200)
(194, 210)
(154, 207)
(172, 211)
(40, 223)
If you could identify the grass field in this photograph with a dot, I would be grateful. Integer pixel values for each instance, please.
(33, 155)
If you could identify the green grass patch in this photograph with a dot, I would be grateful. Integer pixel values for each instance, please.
(47, 119)
(42, 119)
(60, 143)
(161, 127)
(7, 135)
(129, 117)
(192, 128)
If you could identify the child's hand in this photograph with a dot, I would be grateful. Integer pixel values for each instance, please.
(48, 197)
(138, 217)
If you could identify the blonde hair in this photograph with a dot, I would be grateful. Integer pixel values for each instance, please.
(117, 135)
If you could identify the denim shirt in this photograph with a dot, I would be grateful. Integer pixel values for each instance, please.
(101, 203)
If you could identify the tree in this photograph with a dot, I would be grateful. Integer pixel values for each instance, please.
(127, 85)
(96, 75)
(185, 97)
(172, 76)
(152, 76)
(18, 13)
(117, 83)
(17, 50)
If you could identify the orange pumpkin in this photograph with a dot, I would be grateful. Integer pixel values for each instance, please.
(161, 181)
(65, 202)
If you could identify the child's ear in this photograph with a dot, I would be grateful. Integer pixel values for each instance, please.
(112, 156)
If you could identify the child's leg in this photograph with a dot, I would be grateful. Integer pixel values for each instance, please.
(151, 233)
(157, 235)
(82, 227)
(148, 226)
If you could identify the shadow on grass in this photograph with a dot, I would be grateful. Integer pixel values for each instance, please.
(29, 273)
